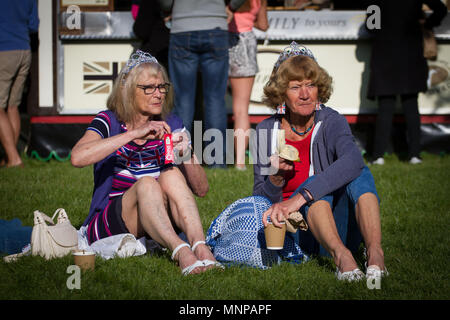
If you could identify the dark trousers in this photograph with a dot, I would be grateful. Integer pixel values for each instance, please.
(386, 105)
(13, 236)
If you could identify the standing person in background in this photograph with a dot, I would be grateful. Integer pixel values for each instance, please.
(18, 19)
(151, 29)
(398, 67)
(135, 8)
(243, 68)
(199, 40)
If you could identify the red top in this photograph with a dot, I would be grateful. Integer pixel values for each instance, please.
(301, 168)
(244, 21)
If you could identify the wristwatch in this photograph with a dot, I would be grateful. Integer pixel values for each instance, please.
(306, 195)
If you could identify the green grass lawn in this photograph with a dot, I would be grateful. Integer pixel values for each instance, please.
(415, 216)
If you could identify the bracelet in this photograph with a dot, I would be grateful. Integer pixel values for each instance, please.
(306, 195)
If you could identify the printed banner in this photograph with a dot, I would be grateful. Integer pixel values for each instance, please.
(314, 25)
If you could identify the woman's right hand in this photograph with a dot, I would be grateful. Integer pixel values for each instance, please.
(152, 130)
(280, 211)
(282, 167)
(92, 148)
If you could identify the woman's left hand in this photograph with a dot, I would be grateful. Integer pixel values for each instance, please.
(180, 142)
(152, 130)
(280, 211)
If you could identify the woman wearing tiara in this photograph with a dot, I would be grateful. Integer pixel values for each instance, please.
(330, 184)
(135, 189)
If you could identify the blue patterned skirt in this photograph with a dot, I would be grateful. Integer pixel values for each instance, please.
(236, 237)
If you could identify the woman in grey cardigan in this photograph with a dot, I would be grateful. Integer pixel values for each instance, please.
(331, 184)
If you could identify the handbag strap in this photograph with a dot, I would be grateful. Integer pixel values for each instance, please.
(62, 215)
(40, 218)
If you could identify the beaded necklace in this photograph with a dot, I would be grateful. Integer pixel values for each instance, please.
(300, 133)
(304, 132)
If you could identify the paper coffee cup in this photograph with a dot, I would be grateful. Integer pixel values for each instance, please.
(84, 259)
(275, 236)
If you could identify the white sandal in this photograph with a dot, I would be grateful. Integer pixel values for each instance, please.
(175, 251)
(186, 271)
(194, 246)
(207, 262)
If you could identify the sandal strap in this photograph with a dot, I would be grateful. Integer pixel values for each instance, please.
(174, 252)
(208, 262)
(186, 271)
(197, 243)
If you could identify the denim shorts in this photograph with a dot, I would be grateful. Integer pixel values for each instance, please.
(342, 203)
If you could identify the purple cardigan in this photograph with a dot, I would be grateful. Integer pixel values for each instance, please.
(104, 169)
(335, 159)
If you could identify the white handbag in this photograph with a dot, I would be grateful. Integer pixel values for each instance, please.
(54, 240)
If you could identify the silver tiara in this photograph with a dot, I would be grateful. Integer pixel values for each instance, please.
(293, 50)
(137, 58)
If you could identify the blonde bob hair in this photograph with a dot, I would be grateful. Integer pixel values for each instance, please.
(122, 99)
(298, 68)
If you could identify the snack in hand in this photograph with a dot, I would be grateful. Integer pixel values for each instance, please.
(168, 149)
(284, 150)
(295, 222)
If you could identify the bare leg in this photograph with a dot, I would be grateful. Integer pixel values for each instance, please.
(241, 92)
(143, 210)
(14, 120)
(7, 139)
(323, 227)
(368, 219)
(184, 209)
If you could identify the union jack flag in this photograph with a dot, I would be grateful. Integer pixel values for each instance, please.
(98, 76)
(281, 109)
(135, 162)
(147, 157)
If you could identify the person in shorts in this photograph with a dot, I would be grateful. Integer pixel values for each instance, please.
(243, 67)
(18, 19)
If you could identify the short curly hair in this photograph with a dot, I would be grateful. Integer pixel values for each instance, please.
(298, 68)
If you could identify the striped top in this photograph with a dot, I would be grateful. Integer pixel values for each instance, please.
(133, 161)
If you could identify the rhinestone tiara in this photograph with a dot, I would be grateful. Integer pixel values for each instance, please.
(294, 49)
(137, 58)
